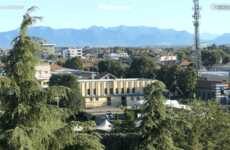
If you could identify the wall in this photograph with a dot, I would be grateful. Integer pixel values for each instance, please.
(94, 91)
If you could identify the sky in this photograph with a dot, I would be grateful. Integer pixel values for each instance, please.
(165, 14)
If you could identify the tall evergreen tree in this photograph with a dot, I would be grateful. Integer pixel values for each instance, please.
(31, 117)
(154, 128)
(21, 61)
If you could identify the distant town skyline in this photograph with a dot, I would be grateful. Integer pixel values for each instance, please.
(164, 14)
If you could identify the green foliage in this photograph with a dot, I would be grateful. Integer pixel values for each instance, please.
(120, 141)
(216, 55)
(142, 67)
(187, 82)
(69, 81)
(179, 81)
(60, 62)
(33, 118)
(212, 57)
(114, 67)
(74, 63)
(130, 117)
(154, 127)
(118, 50)
(20, 64)
(205, 127)
(183, 54)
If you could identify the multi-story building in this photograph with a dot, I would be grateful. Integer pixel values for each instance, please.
(43, 74)
(168, 59)
(116, 56)
(113, 92)
(72, 52)
(210, 90)
(214, 85)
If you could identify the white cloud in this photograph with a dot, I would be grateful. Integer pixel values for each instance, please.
(112, 7)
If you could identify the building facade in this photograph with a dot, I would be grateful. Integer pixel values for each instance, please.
(113, 92)
(168, 60)
(214, 90)
(43, 74)
(72, 52)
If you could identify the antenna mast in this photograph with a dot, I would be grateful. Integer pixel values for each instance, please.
(196, 24)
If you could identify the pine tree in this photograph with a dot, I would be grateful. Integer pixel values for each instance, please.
(154, 128)
(21, 62)
(32, 118)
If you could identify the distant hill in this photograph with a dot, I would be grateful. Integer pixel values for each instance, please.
(138, 36)
(223, 39)
(208, 36)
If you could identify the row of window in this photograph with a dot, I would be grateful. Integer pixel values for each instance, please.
(111, 91)
(109, 98)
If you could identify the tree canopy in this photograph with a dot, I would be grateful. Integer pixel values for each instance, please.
(31, 116)
(74, 63)
(181, 82)
(142, 67)
(114, 67)
(155, 128)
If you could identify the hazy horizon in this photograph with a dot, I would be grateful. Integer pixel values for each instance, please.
(78, 14)
(82, 28)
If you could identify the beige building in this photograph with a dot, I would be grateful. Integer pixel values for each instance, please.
(113, 92)
(43, 74)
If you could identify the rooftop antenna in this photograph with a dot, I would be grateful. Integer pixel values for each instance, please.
(196, 23)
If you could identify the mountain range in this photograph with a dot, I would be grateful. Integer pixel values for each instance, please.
(138, 36)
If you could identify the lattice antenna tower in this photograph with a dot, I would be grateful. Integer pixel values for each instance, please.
(196, 23)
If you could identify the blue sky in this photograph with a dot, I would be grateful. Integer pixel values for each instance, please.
(176, 14)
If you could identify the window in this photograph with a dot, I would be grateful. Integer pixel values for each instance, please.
(133, 90)
(94, 92)
(109, 102)
(128, 90)
(106, 91)
(122, 91)
(88, 91)
(117, 91)
(97, 98)
(111, 90)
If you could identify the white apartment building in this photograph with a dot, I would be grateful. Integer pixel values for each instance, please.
(72, 52)
(43, 74)
(116, 56)
(168, 59)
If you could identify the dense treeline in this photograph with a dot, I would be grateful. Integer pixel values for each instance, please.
(180, 81)
(120, 141)
(200, 126)
(34, 118)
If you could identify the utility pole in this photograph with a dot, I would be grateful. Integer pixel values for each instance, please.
(196, 23)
